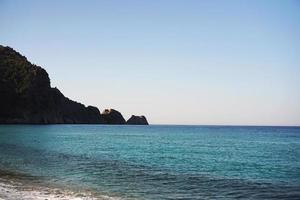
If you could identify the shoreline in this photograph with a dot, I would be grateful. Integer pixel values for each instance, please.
(16, 188)
(15, 191)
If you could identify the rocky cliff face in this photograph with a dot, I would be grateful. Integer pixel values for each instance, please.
(137, 120)
(27, 97)
(112, 116)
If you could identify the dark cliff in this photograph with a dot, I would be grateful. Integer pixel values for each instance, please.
(26, 97)
(137, 120)
(112, 116)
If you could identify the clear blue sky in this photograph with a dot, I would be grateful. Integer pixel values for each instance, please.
(177, 62)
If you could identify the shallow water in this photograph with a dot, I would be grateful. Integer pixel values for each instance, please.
(156, 162)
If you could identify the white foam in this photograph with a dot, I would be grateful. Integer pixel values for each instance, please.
(13, 191)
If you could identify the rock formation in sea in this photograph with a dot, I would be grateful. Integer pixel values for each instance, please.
(27, 97)
(137, 120)
(112, 116)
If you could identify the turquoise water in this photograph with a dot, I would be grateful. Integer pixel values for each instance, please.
(158, 162)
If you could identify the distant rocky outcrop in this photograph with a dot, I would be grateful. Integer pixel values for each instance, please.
(137, 120)
(112, 116)
(27, 97)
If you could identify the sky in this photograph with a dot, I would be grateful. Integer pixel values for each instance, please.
(176, 62)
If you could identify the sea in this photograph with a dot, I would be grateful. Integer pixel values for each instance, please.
(149, 162)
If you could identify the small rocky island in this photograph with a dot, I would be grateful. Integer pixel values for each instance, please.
(26, 97)
(140, 120)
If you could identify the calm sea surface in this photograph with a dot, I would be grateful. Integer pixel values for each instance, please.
(157, 162)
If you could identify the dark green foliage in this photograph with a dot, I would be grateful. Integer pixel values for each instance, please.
(26, 95)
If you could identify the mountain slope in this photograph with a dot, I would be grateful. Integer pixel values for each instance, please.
(26, 95)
